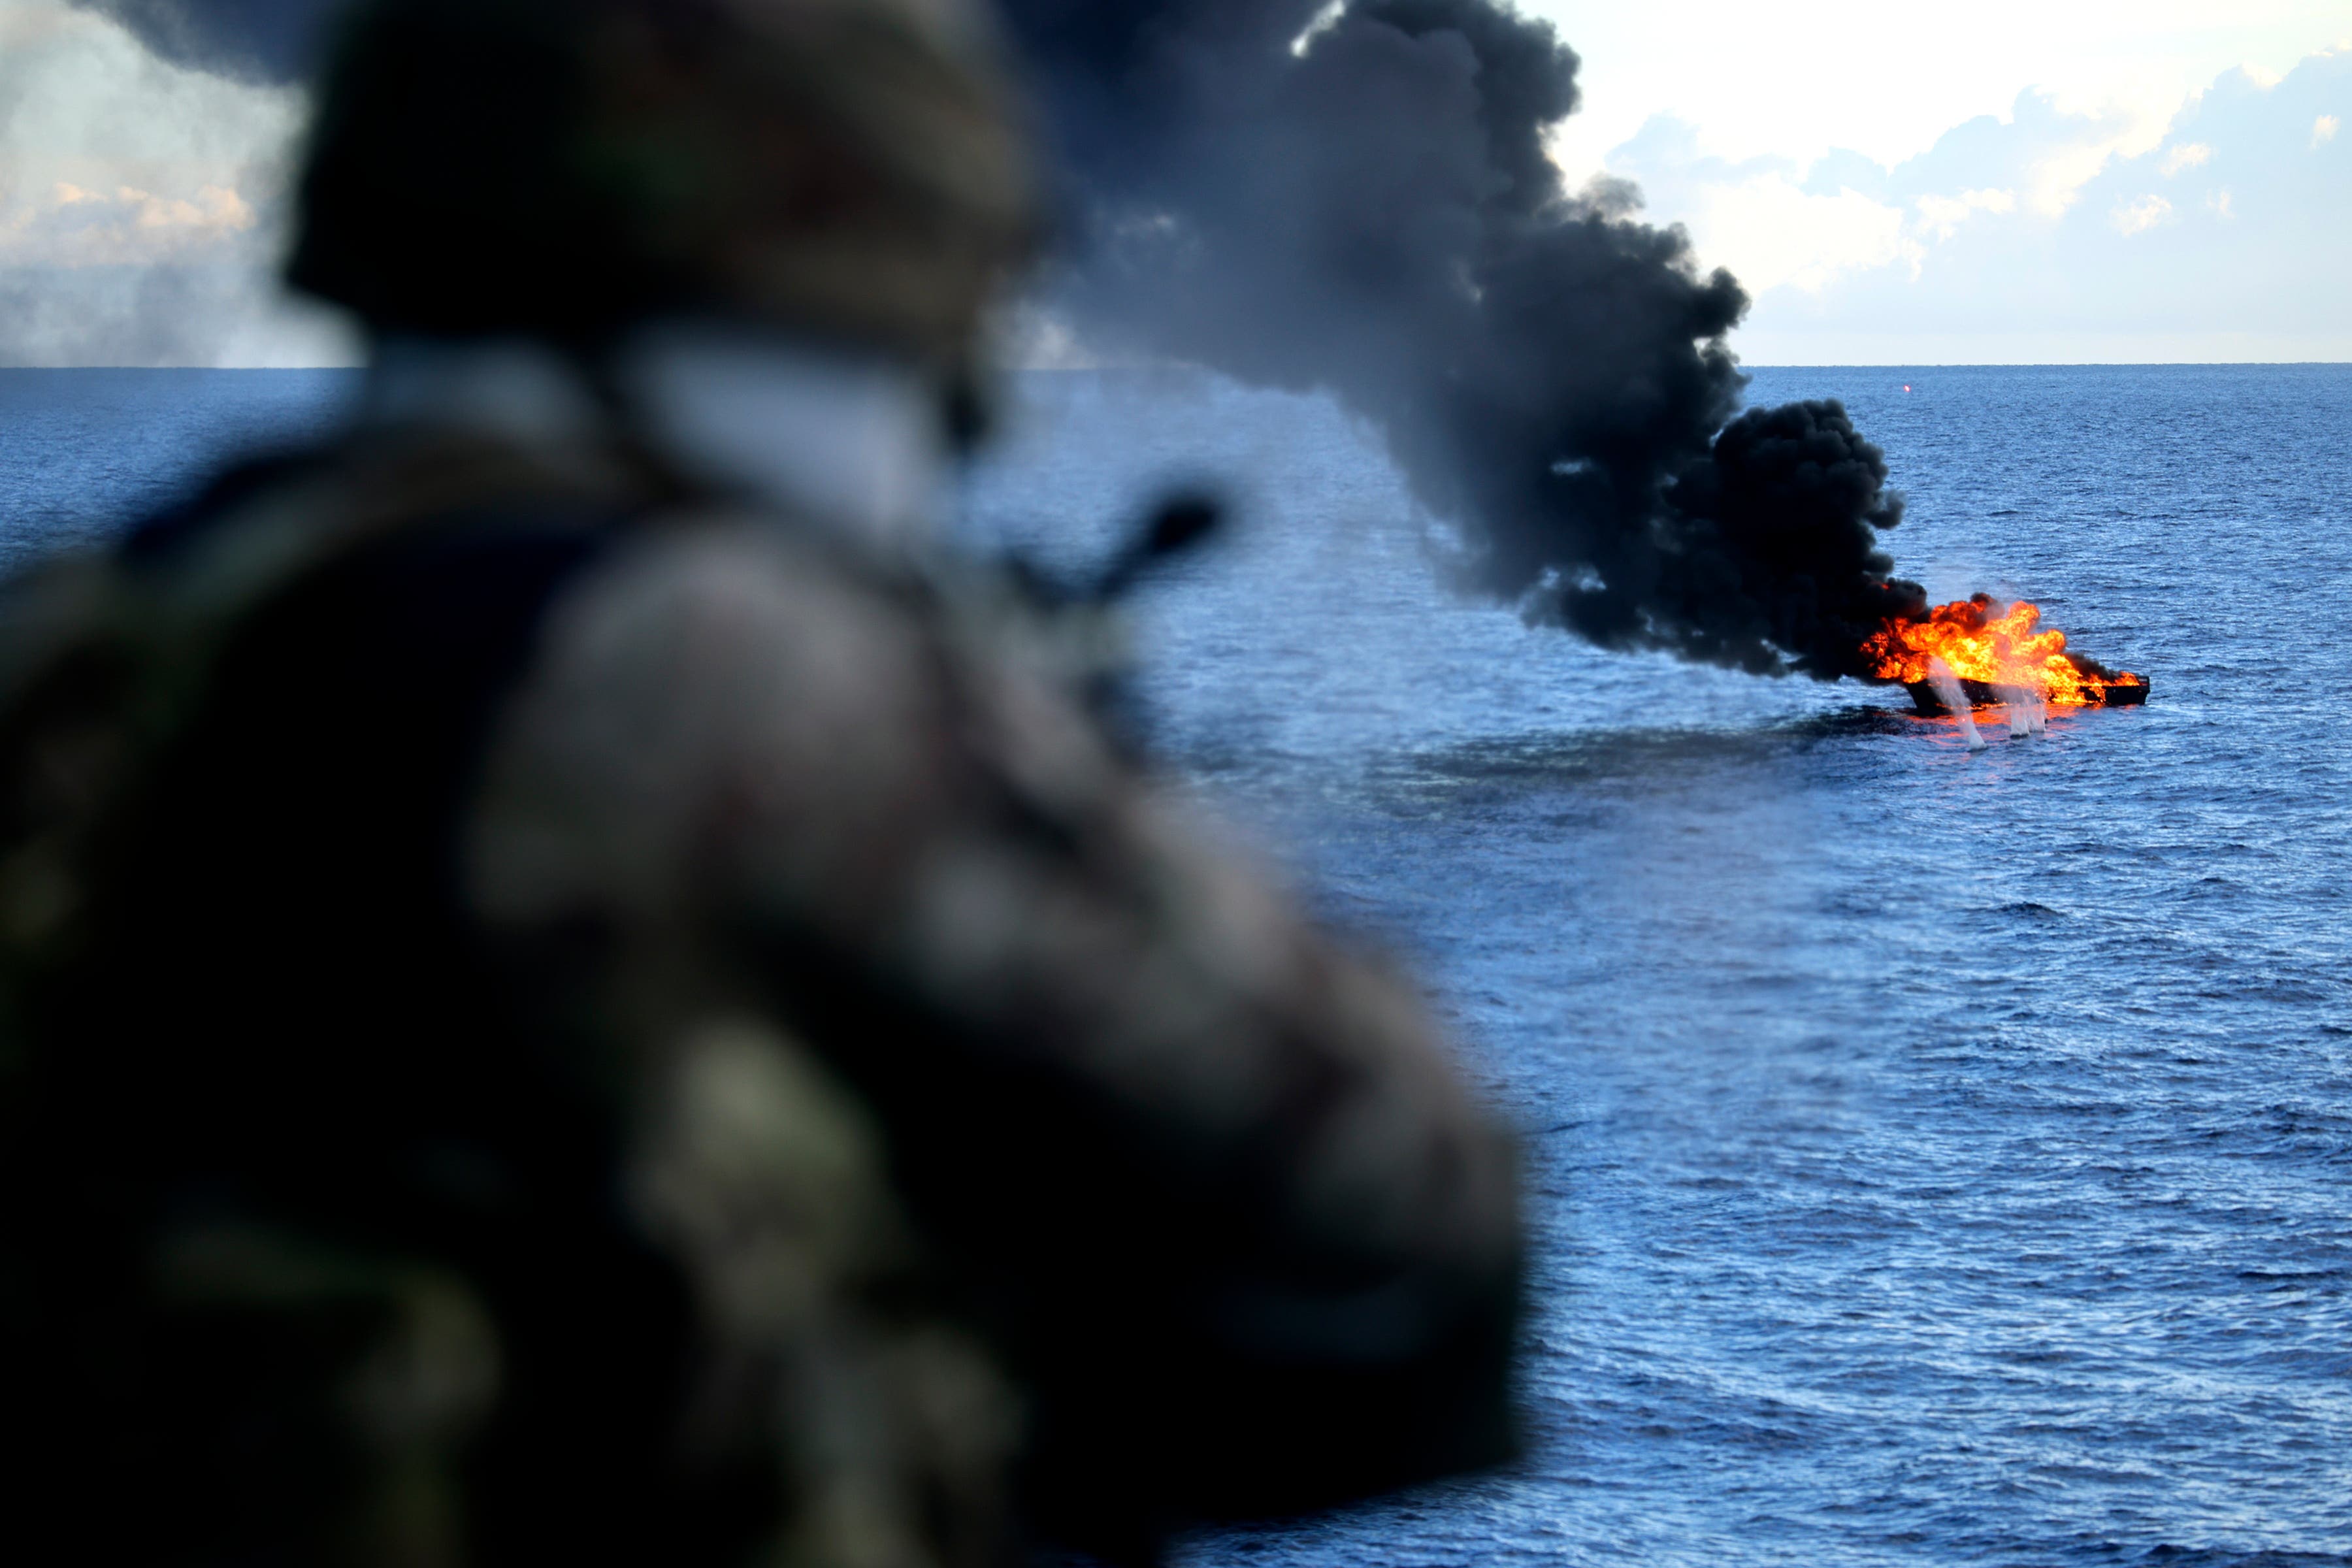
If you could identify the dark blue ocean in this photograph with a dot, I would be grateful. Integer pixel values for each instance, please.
(1934, 1157)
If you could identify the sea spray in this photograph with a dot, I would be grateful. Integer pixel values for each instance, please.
(2026, 708)
(2014, 700)
(1947, 686)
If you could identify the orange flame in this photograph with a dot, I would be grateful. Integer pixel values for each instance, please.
(1982, 641)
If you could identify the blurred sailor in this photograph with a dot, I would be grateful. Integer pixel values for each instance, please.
(566, 1001)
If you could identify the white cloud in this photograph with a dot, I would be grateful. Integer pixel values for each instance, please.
(2044, 228)
(1940, 216)
(127, 226)
(1888, 81)
(2234, 260)
(1759, 218)
(1771, 232)
(1967, 208)
(2139, 216)
(2060, 173)
(142, 206)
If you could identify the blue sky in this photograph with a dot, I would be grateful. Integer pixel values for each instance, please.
(2007, 181)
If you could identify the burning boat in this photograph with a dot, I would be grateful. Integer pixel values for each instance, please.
(1992, 655)
(1930, 703)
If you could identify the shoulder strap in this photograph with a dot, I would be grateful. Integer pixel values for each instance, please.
(247, 1007)
(385, 588)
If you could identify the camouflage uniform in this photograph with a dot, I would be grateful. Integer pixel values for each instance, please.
(554, 1010)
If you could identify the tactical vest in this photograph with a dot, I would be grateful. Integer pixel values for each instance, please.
(290, 1178)
(314, 1245)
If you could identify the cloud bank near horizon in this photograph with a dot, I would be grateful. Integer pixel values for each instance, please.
(142, 214)
(2047, 236)
(141, 204)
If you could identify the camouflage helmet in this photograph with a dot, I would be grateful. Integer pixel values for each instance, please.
(563, 168)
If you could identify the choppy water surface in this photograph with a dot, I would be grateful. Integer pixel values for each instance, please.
(1935, 1157)
(81, 450)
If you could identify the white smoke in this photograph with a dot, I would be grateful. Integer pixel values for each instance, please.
(1947, 686)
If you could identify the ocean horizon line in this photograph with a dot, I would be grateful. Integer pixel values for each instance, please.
(1185, 367)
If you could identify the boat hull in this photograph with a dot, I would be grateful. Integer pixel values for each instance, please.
(1983, 694)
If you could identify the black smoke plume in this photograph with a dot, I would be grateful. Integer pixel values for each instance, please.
(248, 40)
(1357, 197)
